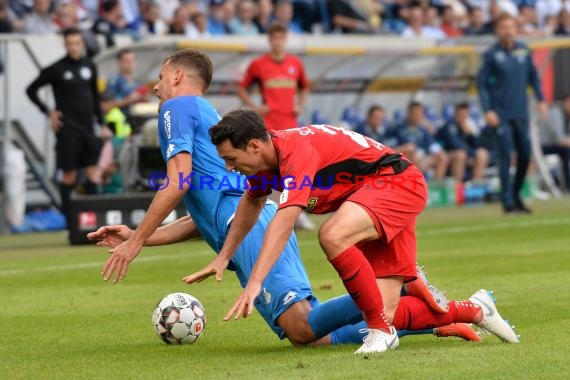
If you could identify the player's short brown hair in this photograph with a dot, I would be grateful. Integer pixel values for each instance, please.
(239, 127)
(502, 17)
(193, 60)
(276, 28)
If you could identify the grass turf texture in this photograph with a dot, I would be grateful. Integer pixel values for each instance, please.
(60, 320)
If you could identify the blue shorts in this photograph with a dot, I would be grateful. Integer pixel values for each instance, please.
(286, 283)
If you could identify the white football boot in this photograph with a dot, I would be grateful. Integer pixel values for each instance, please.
(378, 341)
(492, 320)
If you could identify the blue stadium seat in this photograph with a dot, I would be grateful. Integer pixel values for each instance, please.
(317, 117)
(476, 115)
(447, 112)
(398, 116)
(352, 116)
(431, 115)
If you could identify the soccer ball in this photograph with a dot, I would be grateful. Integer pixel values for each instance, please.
(179, 318)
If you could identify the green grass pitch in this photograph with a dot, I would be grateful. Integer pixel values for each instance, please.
(59, 320)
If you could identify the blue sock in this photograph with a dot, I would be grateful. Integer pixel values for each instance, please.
(356, 333)
(334, 314)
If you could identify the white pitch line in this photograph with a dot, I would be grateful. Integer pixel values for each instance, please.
(433, 232)
(488, 227)
(93, 264)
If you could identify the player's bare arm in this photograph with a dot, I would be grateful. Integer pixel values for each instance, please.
(276, 238)
(162, 204)
(246, 215)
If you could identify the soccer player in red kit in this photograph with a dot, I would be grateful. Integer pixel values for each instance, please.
(375, 195)
(282, 81)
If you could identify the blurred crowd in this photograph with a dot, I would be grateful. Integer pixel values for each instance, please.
(435, 19)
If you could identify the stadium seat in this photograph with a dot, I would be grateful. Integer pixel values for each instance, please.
(447, 112)
(431, 115)
(352, 116)
(398, 116)
(317, 117)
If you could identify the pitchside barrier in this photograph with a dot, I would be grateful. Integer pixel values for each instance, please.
(347, 75)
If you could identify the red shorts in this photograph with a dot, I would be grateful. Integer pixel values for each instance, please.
(393, 202)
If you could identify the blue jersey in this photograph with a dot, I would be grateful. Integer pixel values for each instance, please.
(183, 127)
(213, 198)
(503, 79)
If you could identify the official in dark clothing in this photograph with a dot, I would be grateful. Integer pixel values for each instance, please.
(74, 82)
(506, 71)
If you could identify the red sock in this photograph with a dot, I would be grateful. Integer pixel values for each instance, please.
(360, 282)
(414, 314)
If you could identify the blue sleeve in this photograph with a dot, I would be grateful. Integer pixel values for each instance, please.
(483, 76)
(533, 79)
(176, 126)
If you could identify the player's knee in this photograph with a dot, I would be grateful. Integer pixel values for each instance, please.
(300, 335)
(330, 238)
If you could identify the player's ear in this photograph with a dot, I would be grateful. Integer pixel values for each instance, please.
(178, 75)
(255, 145)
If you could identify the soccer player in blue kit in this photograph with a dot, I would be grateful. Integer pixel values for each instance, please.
(211, 195)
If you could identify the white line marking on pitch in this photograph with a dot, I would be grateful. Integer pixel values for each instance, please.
(89, 265)
(487, 227)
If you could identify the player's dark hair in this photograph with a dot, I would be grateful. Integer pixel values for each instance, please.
(373, 108)
(122, 52)
(501, 18)
(276, 28)
(71, 32)
(413, 104)
(194, 60)
(462, 106)
(109, 5)
(239, 127)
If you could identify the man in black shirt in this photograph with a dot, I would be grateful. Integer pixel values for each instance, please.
(74, 82)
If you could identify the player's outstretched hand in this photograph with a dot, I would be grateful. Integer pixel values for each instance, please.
(111, 236)
(244, 305)
(215, 267)
(118, 263)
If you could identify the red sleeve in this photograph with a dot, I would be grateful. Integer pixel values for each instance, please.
(257, 185)
(302, 82)
(250, 75)
(298, 171)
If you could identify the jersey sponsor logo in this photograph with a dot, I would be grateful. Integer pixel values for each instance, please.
(311, 204)
(68, 75)
(291, 70)
(169, 150)
(289, 297)
(167, 125)
(85, 73)
(281, 83)
(500, 56)
(520, 54)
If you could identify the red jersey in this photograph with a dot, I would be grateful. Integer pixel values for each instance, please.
(278, 82)
(321, 166)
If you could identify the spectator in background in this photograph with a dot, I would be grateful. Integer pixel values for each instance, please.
(180, 21)
(110, 22)
(459, 138)
(429, 154)
(198, 29)
(449, 24)
(243, 24)
(65, 16)
(284, 89)
(348, 17)
(527, 22)
(432, 22)
(506, 71)
(477, 25)
(563, 23)
(217, 18)
(377, 128)
(40, 20)
(123, 90)
(264, 16)
(555, 137)
(416, 27)
(284, 16)
(74, 82)
(5, 23)
(152, 21)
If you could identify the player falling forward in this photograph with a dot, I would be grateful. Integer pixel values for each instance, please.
(287, 302)
(375, 195)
